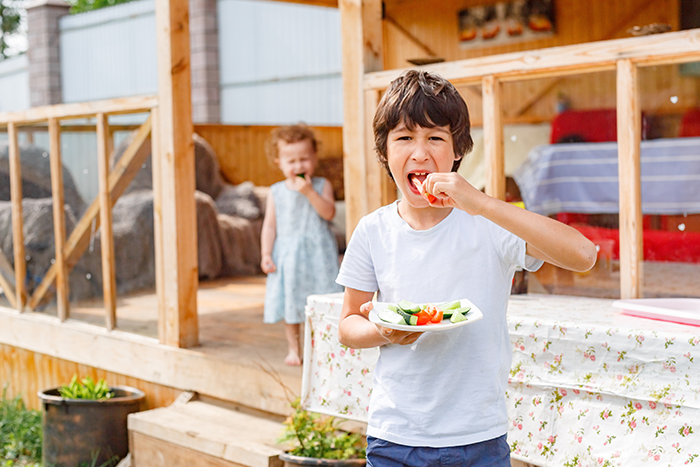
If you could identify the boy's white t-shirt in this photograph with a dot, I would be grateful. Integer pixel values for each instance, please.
(448, 388)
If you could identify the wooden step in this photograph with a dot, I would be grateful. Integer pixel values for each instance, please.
(199, 434)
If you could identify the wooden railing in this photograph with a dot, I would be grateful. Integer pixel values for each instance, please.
(623, 55)
(112, 183)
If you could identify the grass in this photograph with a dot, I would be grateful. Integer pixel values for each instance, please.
(20, 433)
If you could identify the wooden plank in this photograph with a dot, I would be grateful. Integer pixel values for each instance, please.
(80, 110)
(179, 215)
(628, 145)
(156, 170)
(361, 25)
(223, 433)
(151, 452)
(493, 138)
(17, 218)
(119, 178)
(674, 47)
(7, 285)
(29, 372)
(59, 219)
(375, 171)
(109, 281)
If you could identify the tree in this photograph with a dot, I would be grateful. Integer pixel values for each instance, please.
(9, 24)
(81, 6)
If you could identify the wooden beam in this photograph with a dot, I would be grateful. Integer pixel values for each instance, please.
(361, 26)
(409, 36)
(629, 135)
(8, 285)
(109, 281)
(17, 218)
(59, 220)
(493, 138)
(179, 217)
(156, 170)
(121, 175)
(80, 110)
(657, 49)
(373, 168)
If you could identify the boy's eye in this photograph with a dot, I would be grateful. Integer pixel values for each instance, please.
(437, 138)
(403, 138)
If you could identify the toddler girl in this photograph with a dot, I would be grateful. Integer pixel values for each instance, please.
(299, 252)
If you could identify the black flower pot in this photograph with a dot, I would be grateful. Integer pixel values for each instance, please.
(75, 430)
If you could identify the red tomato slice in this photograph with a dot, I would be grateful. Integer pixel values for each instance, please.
(423, 318)
(437, 318)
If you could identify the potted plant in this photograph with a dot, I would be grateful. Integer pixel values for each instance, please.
(314, 439)
(317, 440)
(85, 422)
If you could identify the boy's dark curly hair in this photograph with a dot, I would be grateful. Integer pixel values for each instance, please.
(427, 100)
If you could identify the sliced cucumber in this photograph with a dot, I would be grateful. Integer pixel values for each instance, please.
(457, 317)
(449, 306)
(393, 307)
(408, 307)
(391, 317)
(407, 317)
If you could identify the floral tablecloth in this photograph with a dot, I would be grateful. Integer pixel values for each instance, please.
(589, 386)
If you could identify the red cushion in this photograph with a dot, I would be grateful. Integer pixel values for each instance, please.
(590, 126)
(679, 247)
(690, 124)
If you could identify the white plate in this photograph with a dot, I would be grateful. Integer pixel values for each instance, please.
(474, 314)
(677, 310)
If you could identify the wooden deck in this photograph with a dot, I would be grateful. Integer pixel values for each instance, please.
(240, 359)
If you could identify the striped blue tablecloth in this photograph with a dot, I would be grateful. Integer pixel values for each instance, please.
(583, 177)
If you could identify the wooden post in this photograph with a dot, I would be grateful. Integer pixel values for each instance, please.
(59, 219)
(179, 216)
(629, 135)
(156, 170)
(361, 29)
(493, 138)
(17, 218)
(109, 281)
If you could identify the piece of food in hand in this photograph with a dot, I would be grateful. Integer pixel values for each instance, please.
(301, 175)
(430, 197)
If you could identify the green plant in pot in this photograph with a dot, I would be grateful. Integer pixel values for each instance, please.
(317, 440)
(85, 422)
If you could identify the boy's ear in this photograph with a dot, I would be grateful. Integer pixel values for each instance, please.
(458, 157)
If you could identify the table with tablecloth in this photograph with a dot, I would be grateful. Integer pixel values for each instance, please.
(583, 177)
(589, 386)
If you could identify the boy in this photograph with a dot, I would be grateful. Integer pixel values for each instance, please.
(438, 397)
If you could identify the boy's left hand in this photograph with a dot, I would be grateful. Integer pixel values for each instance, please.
(451, 190)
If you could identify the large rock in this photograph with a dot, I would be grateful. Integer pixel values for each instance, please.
(85, 279)
(240, 201)
(207, 170)
(36, 177)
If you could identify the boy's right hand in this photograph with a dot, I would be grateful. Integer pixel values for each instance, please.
(392, 336)
(267, 265)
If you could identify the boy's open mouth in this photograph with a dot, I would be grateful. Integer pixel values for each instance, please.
(416, 179)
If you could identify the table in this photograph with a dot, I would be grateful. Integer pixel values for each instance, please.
(583, 177)
(589, 386)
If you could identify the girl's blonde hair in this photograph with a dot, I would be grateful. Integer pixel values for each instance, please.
(289, 134)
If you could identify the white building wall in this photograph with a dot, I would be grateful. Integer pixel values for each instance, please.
(280, 63)
(109, 53)
(14, 84)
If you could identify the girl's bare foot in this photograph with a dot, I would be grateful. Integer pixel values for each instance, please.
(292, 359)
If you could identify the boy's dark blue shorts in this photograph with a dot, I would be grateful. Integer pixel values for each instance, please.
(491, 453)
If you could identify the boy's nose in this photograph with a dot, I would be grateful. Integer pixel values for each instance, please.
(420, 153)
